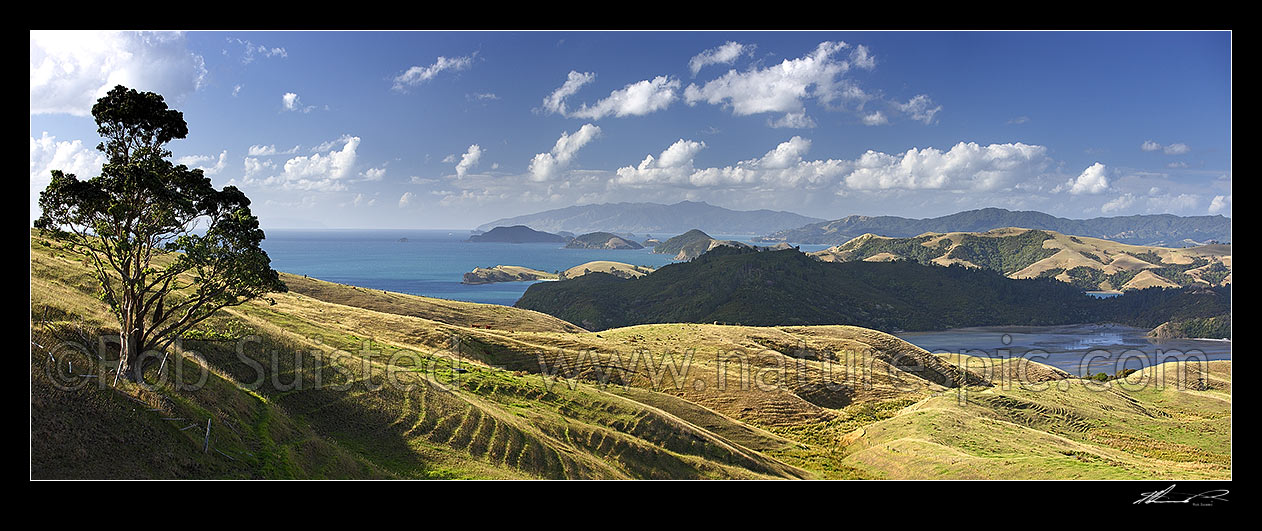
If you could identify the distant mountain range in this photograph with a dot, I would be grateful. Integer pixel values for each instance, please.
(1165, 230)
(656, 219)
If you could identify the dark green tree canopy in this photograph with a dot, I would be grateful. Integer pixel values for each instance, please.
(168, 248)
(133, 122)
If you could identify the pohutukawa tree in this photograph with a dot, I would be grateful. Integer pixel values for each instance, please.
(168, 249)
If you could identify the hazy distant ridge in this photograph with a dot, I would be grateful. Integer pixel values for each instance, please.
(654, 218)
(1165, 230)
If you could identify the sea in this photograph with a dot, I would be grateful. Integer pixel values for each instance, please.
(1077, 349)
(432, 263)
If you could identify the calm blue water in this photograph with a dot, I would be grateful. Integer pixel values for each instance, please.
(1078, 349)
(432, 262)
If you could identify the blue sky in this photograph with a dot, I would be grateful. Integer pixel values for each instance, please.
(454, 129)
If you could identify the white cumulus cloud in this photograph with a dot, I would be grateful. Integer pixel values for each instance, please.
(69, 156)
(920, 108)
(70, 70)
(777, 88)
(555, 102)
(545, 166)
(1092, 180)
(1120, 203)
(780, 167)
(201, 161)
(727, 53)
(785, 154)
(292, 102)
(469, 160)
(320, 172)
(860, 57)
(1176, 148)
(417, 75)
(875, 118)
(259, 150)
(635, 99)
(798, 120)
(673, 165)
(252, 50)
(1220, 203)
(964, 166)
(373, 174)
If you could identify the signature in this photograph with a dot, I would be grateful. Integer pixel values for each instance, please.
(1168, 496)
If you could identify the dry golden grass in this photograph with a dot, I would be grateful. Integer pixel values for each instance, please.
(1148, 279)
(505, 273)
(541, 398)
(881, 257)
(457, 313)
(1066, 428)
(606, 266)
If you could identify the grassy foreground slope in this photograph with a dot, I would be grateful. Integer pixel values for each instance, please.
(1166, 422)
(336, 381)
(325, 390)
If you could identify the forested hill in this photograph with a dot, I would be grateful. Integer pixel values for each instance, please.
(1165, 230)
(770, 288)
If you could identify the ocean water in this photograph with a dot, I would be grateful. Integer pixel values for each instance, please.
(432, 262)
(1077, 349)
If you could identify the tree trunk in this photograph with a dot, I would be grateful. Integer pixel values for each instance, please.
(133, 359)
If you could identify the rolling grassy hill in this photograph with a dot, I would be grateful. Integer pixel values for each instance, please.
(1088, 263)
(336, 381)
(617, 269)
(505, 273)
(1121, 429)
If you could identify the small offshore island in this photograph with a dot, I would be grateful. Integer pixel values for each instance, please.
(603, 240)
(510, 273)
(516, 234)
(505, 273)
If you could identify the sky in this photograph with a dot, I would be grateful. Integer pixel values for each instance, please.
(449, 130)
